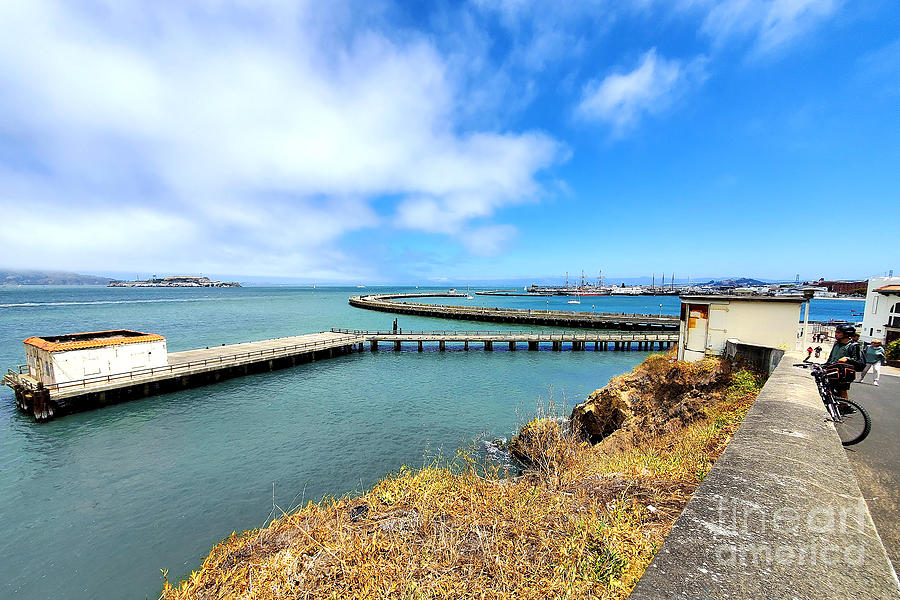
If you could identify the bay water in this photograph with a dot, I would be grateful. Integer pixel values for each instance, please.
(94, 505)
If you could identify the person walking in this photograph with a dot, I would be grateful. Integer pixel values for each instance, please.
(818, 351)
(809, 352)
(874, 357)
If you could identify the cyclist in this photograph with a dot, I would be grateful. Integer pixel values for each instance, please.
(845, 351)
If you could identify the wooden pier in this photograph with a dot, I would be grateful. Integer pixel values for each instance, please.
(531, 340)
(203, 366)
(521, 316)
(192, 368)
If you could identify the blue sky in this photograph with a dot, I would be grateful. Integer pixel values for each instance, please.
(422, 142)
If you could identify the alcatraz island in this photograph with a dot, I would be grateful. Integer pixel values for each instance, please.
(174, 281)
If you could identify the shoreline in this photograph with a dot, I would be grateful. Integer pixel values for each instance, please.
(593, 522)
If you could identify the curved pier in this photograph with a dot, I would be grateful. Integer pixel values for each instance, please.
(519, 316)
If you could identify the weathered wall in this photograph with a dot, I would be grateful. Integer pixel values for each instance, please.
(762, 358)
(107, 360)
(779, 516)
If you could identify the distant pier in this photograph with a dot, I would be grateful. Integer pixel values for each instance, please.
(203, 366)
(520, 316)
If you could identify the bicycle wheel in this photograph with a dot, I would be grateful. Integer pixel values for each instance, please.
(854, 424)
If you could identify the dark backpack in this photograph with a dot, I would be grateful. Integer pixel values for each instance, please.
(856, 356)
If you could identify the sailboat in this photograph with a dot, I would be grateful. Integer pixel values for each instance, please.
(468, 295)
(577, 299)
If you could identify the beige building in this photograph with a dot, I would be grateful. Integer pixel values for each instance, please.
(72, 357)
(707, 322)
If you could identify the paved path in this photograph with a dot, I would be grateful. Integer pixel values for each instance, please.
(876, 460)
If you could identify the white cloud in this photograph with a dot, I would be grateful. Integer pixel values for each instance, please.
(621, 99)
(268, 129)
(489, 240)
(770, 24)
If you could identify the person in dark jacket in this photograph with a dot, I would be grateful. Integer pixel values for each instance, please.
(845, 350)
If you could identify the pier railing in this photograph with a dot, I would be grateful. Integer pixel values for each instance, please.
(237, 358)
(548, 335)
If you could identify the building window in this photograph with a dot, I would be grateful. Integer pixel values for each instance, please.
(894, 320)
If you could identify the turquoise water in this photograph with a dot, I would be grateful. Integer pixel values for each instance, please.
(93, 505)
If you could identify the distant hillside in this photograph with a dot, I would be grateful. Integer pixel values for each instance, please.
(49, 278)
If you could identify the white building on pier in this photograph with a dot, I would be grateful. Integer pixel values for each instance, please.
(76, 356)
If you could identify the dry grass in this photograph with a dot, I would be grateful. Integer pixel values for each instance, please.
(578, 524)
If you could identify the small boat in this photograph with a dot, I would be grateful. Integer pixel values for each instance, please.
(577, 300)
(468, 295)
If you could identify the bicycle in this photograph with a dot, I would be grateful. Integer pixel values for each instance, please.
(851, 421)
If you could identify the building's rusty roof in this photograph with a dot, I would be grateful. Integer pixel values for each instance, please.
(92, 339)
(889, 289)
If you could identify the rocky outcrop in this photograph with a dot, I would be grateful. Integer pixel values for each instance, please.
(659, 396)
(537, 442)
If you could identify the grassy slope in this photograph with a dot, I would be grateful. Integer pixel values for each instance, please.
(580, 524)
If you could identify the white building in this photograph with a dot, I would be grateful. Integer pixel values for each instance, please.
(881, 319)
(708, 321)
(76, 356)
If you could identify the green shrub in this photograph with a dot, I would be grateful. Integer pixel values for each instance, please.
(893, 350)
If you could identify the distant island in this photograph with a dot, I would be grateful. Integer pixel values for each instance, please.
(10, 277)
(174, 281)
(735, 282)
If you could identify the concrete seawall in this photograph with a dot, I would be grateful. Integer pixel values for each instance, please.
(780, 515)
(551, 318)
